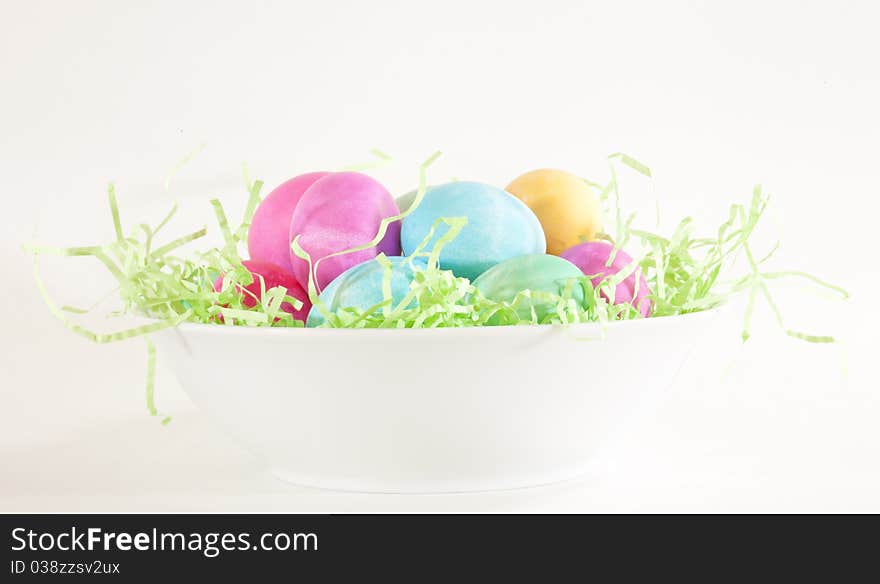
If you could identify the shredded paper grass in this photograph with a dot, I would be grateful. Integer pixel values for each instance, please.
(685, 272)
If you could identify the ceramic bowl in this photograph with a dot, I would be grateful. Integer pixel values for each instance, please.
(436, 410)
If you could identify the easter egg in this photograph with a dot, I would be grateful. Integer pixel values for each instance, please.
(591, 258)
(566, 206)
(269, 232)
(406, 200)
(499, 227)
(361, 286)
(272, 275)
(338, 212)
(535, 272)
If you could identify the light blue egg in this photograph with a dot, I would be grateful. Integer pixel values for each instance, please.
(360, 286)
(499, 227)
(406, 200)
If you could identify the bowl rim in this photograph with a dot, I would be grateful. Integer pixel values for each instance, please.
(215, 329)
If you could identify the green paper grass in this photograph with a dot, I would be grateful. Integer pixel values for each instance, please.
(686, 273)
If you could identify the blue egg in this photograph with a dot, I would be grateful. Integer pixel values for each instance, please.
(499, 227)
(360, 286)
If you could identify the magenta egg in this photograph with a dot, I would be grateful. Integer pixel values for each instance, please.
(273, 275)
(591, 258)
(338, 212)
(269, 233)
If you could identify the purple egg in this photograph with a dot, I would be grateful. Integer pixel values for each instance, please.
(591, 258)
(340, 211)
(269, 233)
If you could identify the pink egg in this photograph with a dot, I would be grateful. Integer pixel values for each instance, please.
(340, 211)
(273, 275)
(591, 258)
(269, 233)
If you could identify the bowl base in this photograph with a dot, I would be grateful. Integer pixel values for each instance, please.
(426, 487)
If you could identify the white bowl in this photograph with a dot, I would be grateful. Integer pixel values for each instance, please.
(437, 410)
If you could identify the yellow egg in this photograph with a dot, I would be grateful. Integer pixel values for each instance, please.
(566, 206)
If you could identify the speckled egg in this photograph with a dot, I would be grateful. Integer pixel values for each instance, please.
(535, 272)
(361, 286)
(269, 232)
(499, 227)
(338, 212)
(591, 259)
(566, 206)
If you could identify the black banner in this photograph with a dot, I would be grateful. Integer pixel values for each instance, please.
(135, 547)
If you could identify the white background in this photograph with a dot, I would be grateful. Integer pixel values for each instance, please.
(714, 96)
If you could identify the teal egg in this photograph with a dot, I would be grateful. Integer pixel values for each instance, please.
(499, 227)
(405, 200)
(536, 272)
(360, 286)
